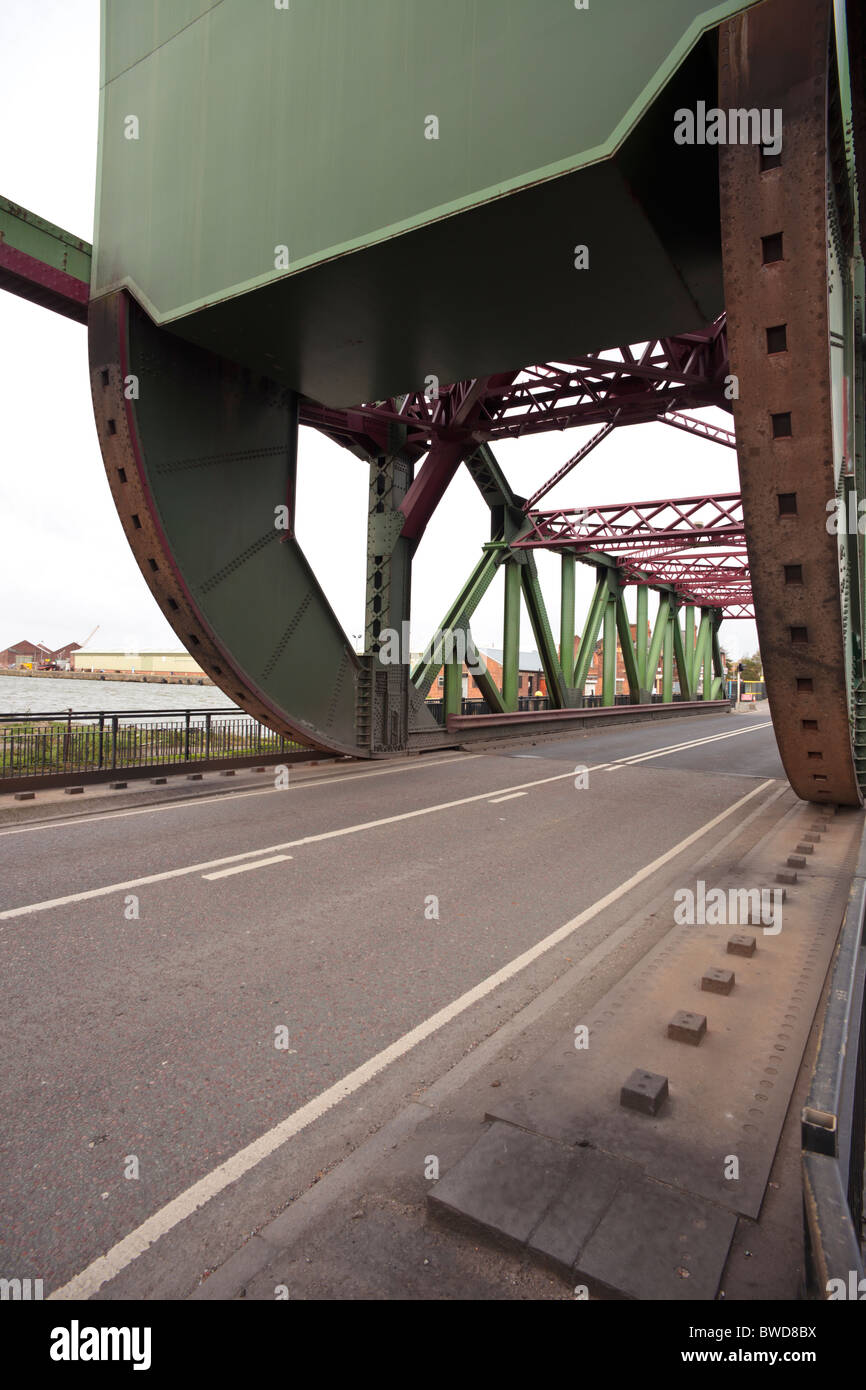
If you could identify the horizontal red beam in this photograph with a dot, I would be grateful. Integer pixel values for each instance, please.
(42, 284)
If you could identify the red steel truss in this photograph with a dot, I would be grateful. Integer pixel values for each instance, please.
(620, 527)
(694, 546)
(625, 386)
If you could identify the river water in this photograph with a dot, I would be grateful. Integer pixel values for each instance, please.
(35, 695)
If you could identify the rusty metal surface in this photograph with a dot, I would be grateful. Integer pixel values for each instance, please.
(730, 1095)
(776, 57)
(132, 458)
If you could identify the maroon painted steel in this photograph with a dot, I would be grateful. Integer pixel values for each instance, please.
(620, 527)
(572, 462)
(43, 284)
(715, 433)
(635, 384)
(776, 56)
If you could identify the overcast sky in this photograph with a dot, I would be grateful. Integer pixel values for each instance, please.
(65, 565)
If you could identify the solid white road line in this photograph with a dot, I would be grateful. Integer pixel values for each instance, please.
(166, 874)
(245, 868)
(510, 797)
(77, 821)
(108, 1266)
(635, 758)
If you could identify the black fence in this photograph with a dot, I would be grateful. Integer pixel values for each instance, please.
(834, 1118)
(37, 748)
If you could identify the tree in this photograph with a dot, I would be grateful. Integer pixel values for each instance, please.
(752, 668)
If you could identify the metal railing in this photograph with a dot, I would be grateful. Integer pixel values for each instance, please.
(38, 748)
(533, 702)
(834, 1117)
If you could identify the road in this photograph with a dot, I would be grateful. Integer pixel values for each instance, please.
(183, 981)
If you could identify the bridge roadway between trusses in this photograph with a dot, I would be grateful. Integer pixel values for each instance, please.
(391, 918)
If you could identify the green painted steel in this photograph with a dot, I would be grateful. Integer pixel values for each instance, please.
(658, 637)
(703, 655)
(489, 689)
(589, 636)
(628, 651)
(44, 241)
(542, 632)
(458, 615)
(511, 635)
(248, 154)
(641, 641)
(453, 687)
(690, 645)
(608, 655)
(198, 464)
(566, 618)
(681, 656)
(668, 656)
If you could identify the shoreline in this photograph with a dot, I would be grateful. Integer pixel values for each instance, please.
(137, 677)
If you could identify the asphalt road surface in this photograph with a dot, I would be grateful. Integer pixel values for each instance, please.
(182, 981)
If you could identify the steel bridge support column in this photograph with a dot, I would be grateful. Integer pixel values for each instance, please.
(453, 687)
(566, 619)
(590, 633)
(542, 633)
(641, 642)
(657, 642)
(629, 661)
(608, 684)
(681, 656)
(703, 655)
(718, 682)
(668, 655)
(690, 646)
(511, 635)
(389, 558)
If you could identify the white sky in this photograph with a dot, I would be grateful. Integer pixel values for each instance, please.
(65, 565)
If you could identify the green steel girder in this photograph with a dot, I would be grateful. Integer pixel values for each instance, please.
(641, 643)
(690, 644)
(459, 614)
(608, 652)
(629, 658)
(453, 688)
(43, 263)
(511, 635)
(566, 619)
(703, 653)
(668, 655)
(488, 687)
(589, 636)
(658, 637)
(718, 678)
(681, 656)
(542, 633)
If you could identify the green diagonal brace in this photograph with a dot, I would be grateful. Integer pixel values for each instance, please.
(458, 615)
(703, 653)
(681, 657)
(590, 632)
(642, 640)
(629, 660)
(542, 632)
(690, 645)
(658, 637)
(718, 669)
(487, 685)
